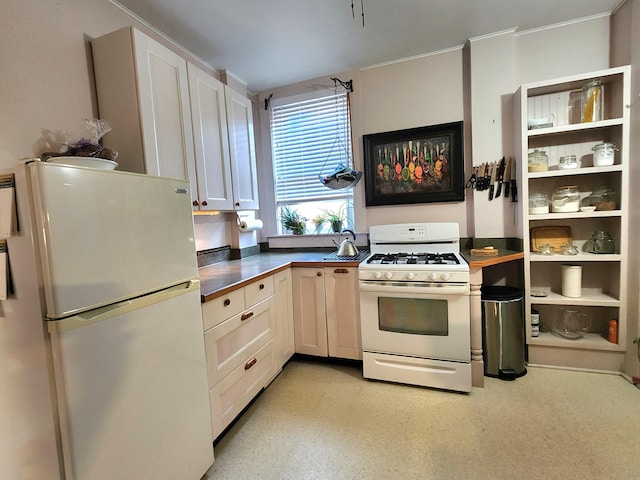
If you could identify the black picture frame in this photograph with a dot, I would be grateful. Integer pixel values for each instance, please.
(416, 165)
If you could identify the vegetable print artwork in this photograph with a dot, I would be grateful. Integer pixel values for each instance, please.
(419, 165)
(414, 166)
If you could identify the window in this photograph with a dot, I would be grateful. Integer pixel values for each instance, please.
(309, 140)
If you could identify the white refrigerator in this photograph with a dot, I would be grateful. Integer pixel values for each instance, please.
(114, 258)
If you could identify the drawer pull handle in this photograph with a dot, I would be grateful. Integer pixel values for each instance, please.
(250, 363)
(246, 316)
(261, 287)
(227, 302)
(341, 270)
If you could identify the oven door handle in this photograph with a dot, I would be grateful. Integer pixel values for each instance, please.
(415, 287)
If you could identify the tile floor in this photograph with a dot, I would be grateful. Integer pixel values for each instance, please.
(324, 421)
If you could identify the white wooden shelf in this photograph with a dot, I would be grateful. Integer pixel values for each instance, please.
(581, 257)
(590, 341)
(588, 299)
(601, 272)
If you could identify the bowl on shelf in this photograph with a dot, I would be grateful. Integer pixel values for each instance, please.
(589, 208)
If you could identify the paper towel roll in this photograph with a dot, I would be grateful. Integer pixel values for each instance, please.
(572, 281)
(250, 225)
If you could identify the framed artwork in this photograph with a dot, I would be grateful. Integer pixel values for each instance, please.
(417, 165)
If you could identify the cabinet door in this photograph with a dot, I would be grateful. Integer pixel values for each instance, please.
(284, 316)
(211, 142)
(163, 95)
(309, 314)
(343, 312)
(242, 150)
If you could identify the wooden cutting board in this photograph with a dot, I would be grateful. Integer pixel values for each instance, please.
(485, 252)
(554, 236)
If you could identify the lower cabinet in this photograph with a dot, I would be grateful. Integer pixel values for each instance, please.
(283, 298)
(326, 312)
(240, 335)
(248, 336)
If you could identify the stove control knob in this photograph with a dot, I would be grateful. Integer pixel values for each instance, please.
(445, 276)
(377, 275)
(410, 276)
(433, 276)
(388, 275)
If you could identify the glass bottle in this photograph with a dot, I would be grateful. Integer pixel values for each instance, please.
(591, 101)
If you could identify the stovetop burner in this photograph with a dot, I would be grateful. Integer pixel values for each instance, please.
(413, 259)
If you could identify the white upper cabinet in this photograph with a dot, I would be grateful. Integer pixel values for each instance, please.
(243, 153)
(143, 93)
(169, 118)
(211, 142)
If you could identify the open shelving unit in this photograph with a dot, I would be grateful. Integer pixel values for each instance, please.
(604, 276)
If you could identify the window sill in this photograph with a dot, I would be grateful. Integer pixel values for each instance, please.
(314, 240)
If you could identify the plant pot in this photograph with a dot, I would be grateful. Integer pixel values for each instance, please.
(336, 226)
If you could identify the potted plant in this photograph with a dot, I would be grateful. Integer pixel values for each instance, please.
(318, 221)
(336, 218)
(292, 221)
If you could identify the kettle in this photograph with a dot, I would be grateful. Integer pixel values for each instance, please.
(347, 248)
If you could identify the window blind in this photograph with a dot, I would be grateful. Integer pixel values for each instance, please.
(310, 138)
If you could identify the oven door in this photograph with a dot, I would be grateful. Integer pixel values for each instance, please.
(426, 320)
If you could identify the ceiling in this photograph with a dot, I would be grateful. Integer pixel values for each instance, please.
(277, 42)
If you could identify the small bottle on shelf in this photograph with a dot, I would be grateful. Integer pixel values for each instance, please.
(613, 331)
(535, 323)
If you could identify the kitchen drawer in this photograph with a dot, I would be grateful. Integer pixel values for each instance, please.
(221, 308)
(258, 291)
(237, 389)
(229, 343)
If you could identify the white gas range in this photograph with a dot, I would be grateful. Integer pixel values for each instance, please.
(414, 303)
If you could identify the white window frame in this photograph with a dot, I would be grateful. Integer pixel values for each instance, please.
(335, 152)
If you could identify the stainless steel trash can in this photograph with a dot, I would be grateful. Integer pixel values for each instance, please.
(503, 343)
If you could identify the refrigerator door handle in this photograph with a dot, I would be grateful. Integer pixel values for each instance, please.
(120, 308)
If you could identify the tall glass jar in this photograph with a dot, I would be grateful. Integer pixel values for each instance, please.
(591, 101)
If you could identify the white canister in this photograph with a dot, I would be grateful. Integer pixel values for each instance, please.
(572, 281)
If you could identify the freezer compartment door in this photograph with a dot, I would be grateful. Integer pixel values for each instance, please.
(104, 236)
(132, 389)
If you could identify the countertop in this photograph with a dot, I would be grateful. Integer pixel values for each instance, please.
(481, 261)
(220, 278)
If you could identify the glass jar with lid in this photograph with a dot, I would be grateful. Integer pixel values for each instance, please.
(591, 101)
(601, 242)
(538, 203)
(538, 161)
(603, 198)
(565, 199)
(604, 154)
(568, 161)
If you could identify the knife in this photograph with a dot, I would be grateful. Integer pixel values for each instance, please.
(507, 178)
(487, 177)
(500, 175)
(480, 177)
(492, 181)
(514, 187)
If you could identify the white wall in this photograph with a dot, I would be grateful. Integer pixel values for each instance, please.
(431, 89)
(413, 93)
